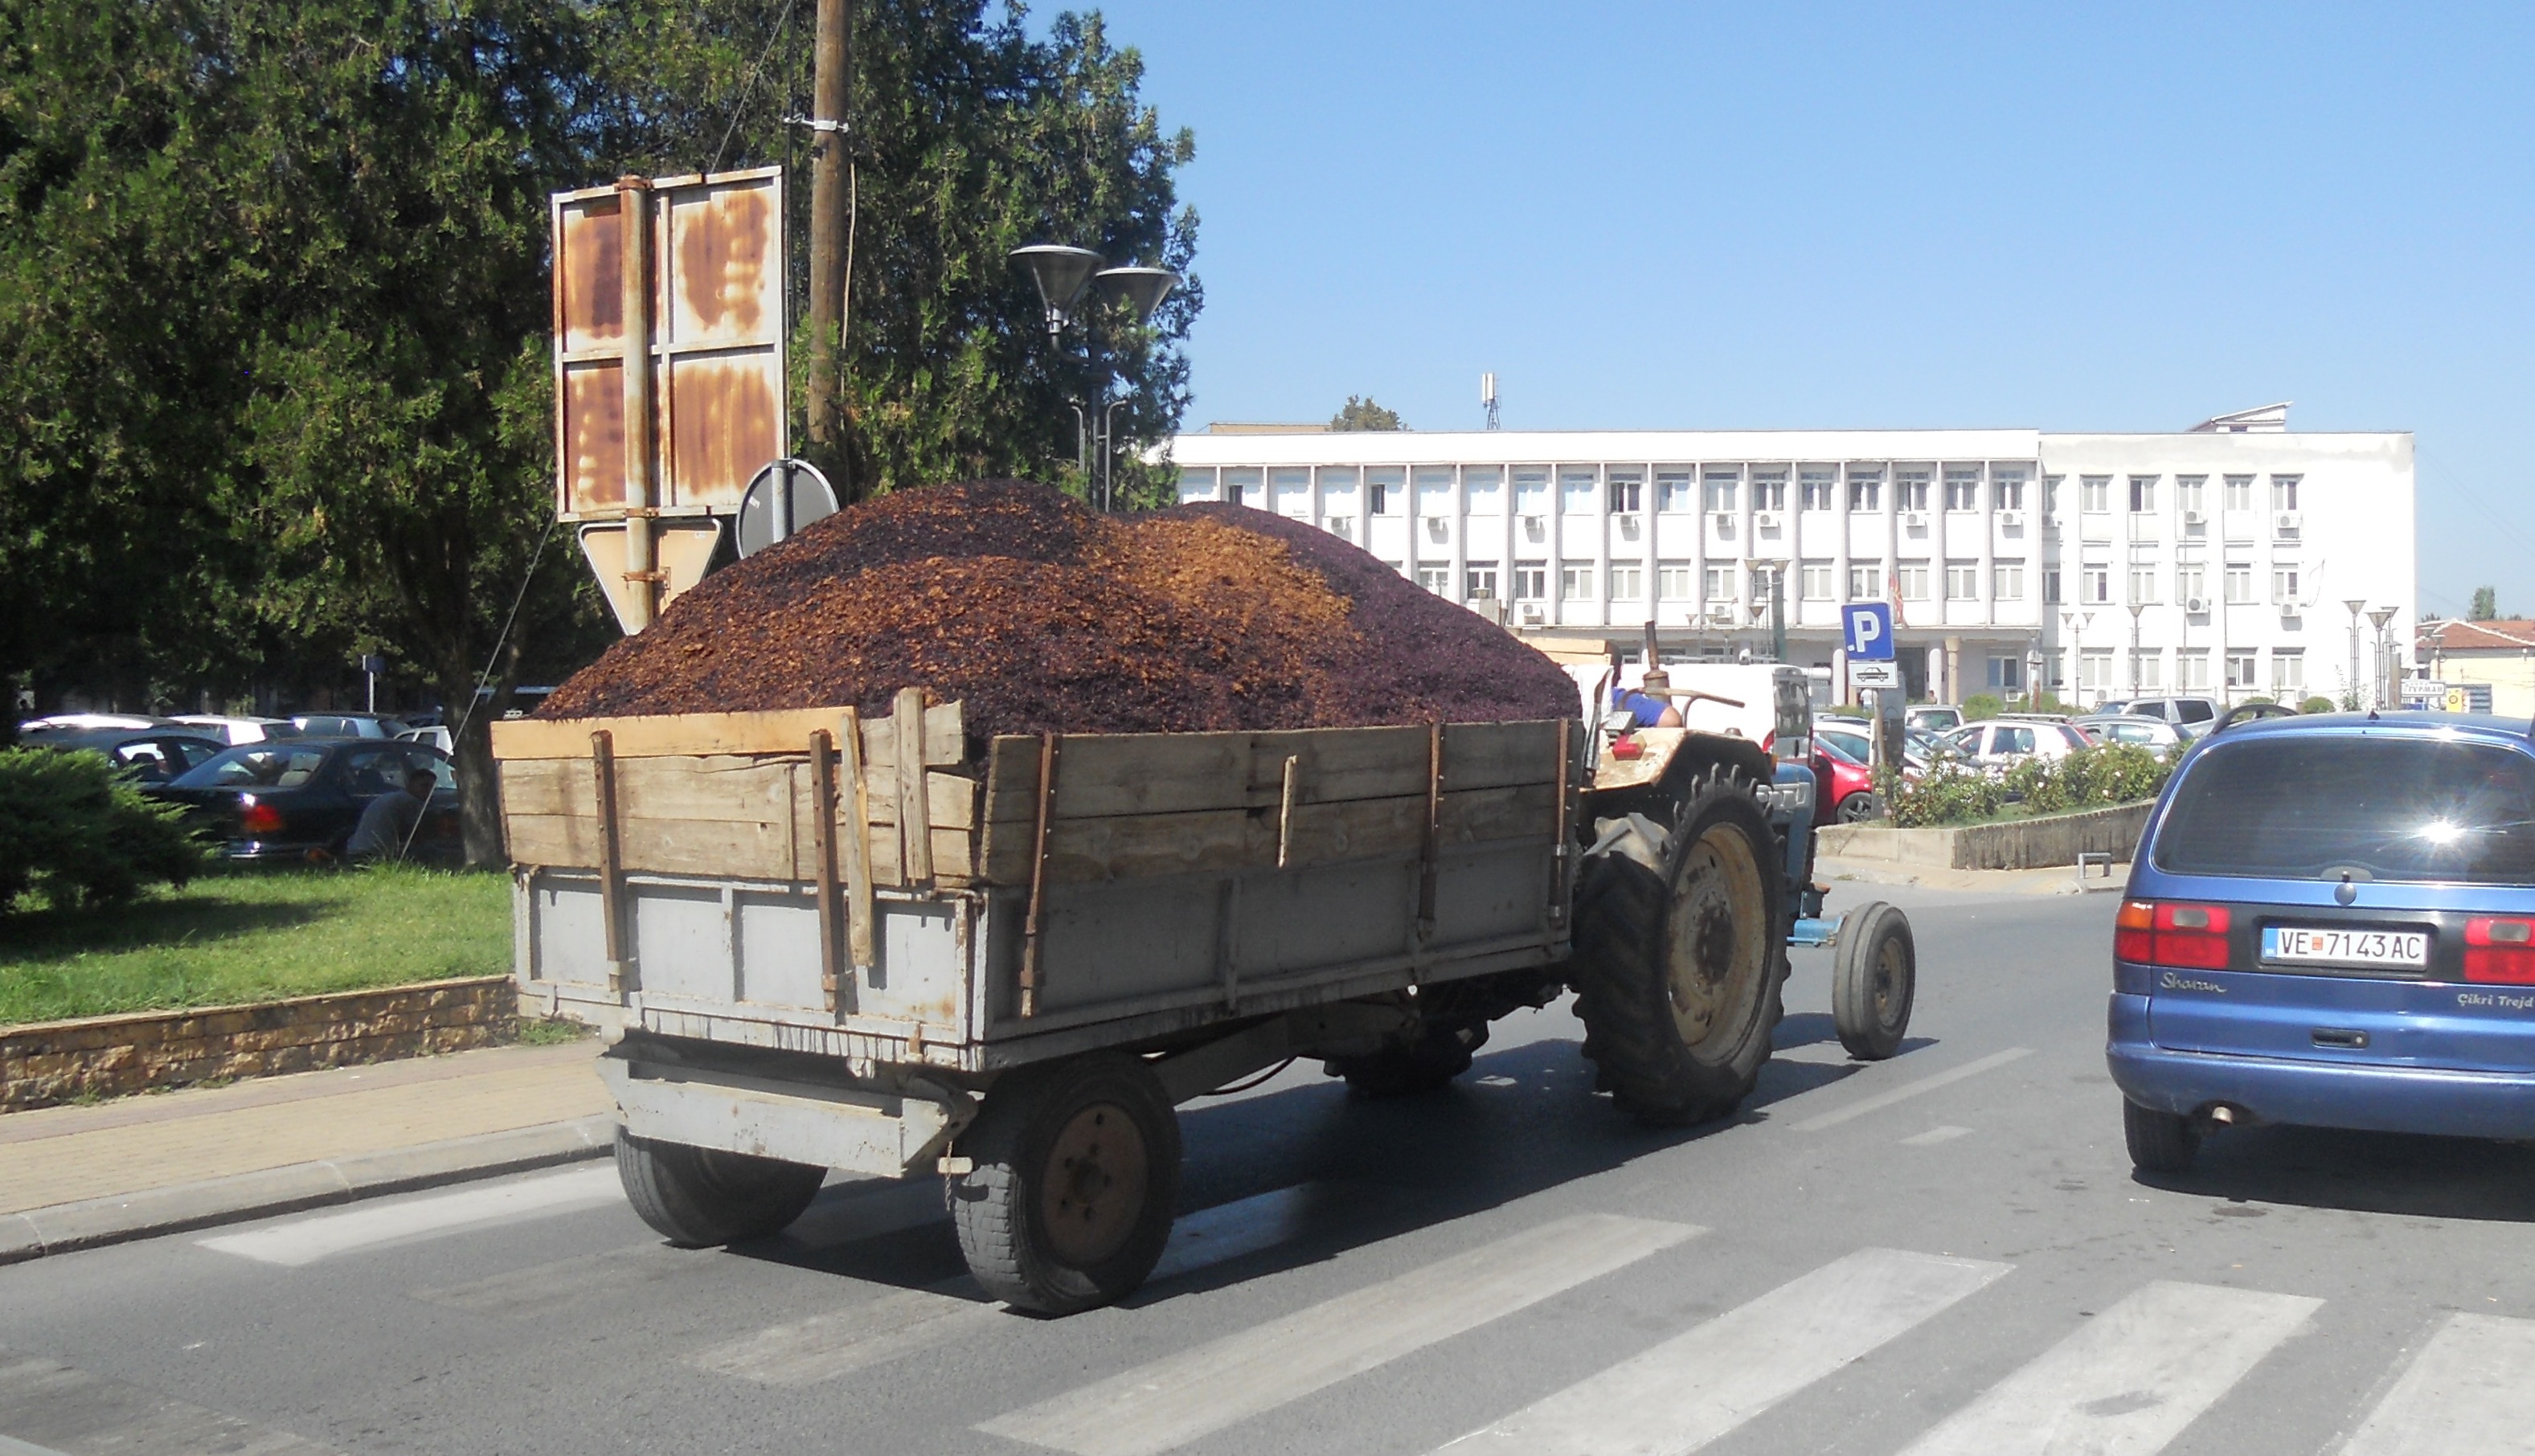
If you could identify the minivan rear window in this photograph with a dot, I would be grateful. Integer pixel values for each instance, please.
(2403, 808)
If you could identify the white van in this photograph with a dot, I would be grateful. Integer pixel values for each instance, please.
(1769, 694)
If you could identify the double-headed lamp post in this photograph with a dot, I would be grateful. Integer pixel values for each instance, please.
(2384, 690)
(2356, 604)
(1063, 275)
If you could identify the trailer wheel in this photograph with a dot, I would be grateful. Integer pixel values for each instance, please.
(701, 1197)
(1074, 1179)
(1874, 982)
(1442, 1051)
(1680, 951)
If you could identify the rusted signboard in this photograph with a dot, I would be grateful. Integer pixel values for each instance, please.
(684, 274)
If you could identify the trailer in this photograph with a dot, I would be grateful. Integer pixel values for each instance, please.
(817, 940)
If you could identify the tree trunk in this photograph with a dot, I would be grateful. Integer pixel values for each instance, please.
(470, 731)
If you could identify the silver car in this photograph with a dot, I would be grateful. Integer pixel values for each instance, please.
(1999, 744)
(2146, 732)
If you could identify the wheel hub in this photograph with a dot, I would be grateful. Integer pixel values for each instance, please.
(1717, 956)
(1095, 1193)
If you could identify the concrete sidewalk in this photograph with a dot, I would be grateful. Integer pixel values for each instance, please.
(2060, 879)
(73, 1177)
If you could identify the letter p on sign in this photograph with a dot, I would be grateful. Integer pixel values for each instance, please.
(1867, 625)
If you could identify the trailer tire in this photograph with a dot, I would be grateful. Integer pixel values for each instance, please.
(1680, 953)
(1442, 1051)
(1874, 982)
(1073, 1181)
(696, 1198)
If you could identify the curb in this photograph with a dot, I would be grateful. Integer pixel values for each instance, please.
(122, 1217)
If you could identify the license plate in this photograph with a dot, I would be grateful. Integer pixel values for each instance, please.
(2310, 944)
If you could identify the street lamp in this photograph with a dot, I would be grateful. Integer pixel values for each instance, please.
(2135, 609)
(2384, 689)
(2075, 623)
(2356, 604)
(1063, 275)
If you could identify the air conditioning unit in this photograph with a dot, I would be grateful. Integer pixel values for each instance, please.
(1535, 527)
(1916, 521)
(1534, 614)
(1629, 523)
(1724, 522)
(2286, 522)
(2010, 518)
(2290, 612)
(1720, 617)
(1438, 530)
(1766, 521)
(2194, 517)
(2195, 604)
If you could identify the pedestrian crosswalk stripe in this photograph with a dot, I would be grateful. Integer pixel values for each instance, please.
(2469, 1392)
(824, 1346)
(306, 1240)
(2129, 1379)
(541, 1289)
(1696, 1386)
(1934, 1137)
(1907, 1090)
(51, 1409)
(1181, 1397)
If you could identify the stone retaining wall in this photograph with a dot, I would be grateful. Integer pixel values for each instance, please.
(2015, 844)
(49, 1061)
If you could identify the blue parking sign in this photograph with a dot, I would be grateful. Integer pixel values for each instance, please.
(1867, 625)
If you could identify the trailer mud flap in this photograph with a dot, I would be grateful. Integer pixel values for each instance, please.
(863, 1132)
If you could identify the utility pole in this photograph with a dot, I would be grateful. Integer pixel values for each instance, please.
(832, 63)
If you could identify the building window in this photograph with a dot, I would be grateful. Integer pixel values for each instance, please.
(1819, 489)
(1531, 491)
(1196, 485)
(2190, 584)
(1479, 581)
(1434, 491)
(2240, 583)
(1816, 580)
(1672, 491)
(1627, 493)
(2288, 672)
(2143, 584)
(1483, 489)
(1627, 584)
(2007, 673)
(1962, 581)
(1768, 489)
(2007, 487)
(1672, 581)
(1910, 490)
(2099, 586)
(1531, 584)
(1576, 492)
(2095, 494)
(2243, 669)
(2285, 586)
(1437, 580)
(2240, 492)
(2192, 670)
(1764, 583)
(1864, 492)
(1914, 580)
(2143, 495)
(2284, 492)
(1382, 488)
(2051, 494)
(2095, 669)
(2007, 580)
(2148, 670)
(1574, 584)
(1866, 581)
(1717, 490)
(2051, 586)
(2188, 493)
(1720, 585)
(1962, 488)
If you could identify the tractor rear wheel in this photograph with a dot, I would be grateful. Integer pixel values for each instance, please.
(1680, 952)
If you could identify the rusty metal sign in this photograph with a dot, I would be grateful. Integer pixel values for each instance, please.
(686, 277)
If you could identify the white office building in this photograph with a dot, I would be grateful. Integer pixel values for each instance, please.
(2217, 561)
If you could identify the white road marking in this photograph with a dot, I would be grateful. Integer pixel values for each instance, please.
(53, 1409)
(884, 1206)
(1907, 1090)
(1934, 1137)
(2470, 1391)
(2127, 1381)
(539, 1289)
(1696, 1386)
(1229, 1231)
(1181, 1397)
(10, 1445)
(305, 1240)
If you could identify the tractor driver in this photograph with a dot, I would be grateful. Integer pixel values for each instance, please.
(1650, 710)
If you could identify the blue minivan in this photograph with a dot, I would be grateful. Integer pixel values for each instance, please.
(2330, 921)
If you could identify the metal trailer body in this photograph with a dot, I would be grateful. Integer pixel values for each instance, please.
(1220, 902)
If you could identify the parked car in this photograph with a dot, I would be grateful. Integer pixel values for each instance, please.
(1843, 786)
(2190, 716)
(1933, 717)
(346, 725)
(2146, 732)
(153, 755)
(233, 729)
(1999, 743)
(297, 800)
(1853, 739)
(2330, 921)
(434, 735)
(88, 720)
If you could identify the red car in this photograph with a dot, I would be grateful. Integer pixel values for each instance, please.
(1843, 787)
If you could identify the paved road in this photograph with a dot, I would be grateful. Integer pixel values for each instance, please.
(1944, 1253)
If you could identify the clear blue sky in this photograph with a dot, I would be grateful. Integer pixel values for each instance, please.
(1667, 215)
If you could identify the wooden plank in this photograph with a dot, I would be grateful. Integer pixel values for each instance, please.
(855, 842)
(915, 820)
(953, 856)
(824, 831)
(701, 734)
(950, 799)
(1134, 846)
(1012, 777)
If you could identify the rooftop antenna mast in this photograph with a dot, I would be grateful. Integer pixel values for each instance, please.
(1488, 397)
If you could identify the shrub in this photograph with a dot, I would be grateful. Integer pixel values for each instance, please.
(1949, 793)
(75, 831)
(1982, 705)
(2256, 698)
(1954, 793)
(2316, 704)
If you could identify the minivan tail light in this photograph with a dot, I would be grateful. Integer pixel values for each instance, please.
(2500, 950)
(2190, 936)
(258, 818)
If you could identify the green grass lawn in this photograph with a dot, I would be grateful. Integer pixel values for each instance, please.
(235, 938)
